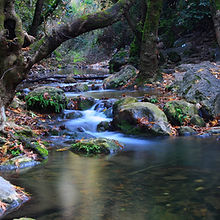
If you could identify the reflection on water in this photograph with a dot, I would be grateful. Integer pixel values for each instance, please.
(173, 178)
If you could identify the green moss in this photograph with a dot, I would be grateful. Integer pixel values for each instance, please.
(35, 46)
(134, 55)
(2, 17)
(152, 18)
(128, 128)
(84, 17)
(41, 150)
(88, 148)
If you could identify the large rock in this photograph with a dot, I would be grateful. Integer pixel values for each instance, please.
(186, 131)
(120, 78)
(95, 146)
(142, 118)
(118, 60)
(178, 111)
(46, 99)
(81, 103)
(70, 79)
(17, 103)
(9, 197)
(198, 83)
(121, 102)
(217, 105)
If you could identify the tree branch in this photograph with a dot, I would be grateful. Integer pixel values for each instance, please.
(79, 26)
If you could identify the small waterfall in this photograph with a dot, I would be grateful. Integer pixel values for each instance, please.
(89, 120)
(92, 117)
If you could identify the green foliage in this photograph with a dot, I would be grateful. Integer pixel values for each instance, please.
(58, 55)
(54, 102)
(194, 13)
(77, 57)
(15, 152)
(179, 116)
(134, 55)
(128, 128)
(25, 12)
(41, 149)
(183, 17)
(154, 100)
(86, 148)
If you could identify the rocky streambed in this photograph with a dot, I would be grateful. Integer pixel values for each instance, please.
(88, 115)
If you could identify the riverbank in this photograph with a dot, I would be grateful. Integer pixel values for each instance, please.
(42, 126)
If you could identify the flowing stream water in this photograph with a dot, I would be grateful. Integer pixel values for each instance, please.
(172, 178)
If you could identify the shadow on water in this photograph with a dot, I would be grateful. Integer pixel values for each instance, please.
(172, 178)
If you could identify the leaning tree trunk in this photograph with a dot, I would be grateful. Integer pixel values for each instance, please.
(149, 52)
(37, 18)
(12, 69)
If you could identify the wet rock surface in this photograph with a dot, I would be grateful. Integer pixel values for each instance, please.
(141, 118)
(10, 197)
(199, 83)
(120, 78)
(96, 146)
(179, 111)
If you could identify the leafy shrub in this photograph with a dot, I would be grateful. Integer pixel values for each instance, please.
(87, 148)
(40, 102)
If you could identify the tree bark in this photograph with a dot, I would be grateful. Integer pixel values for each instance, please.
(215, 11)
(14, 67)
(149, 51)
(37, 18)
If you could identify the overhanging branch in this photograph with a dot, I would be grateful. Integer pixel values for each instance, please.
(79, 26)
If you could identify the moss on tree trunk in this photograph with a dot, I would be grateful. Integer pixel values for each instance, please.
(149, 51)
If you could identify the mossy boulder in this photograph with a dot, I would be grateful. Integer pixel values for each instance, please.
(121, 102)
(72, 114)
(40, 149)
(18, 162)
(118, 60)
(104, 126)
(82, 87)
(197, 120)
(141, 118)
(17, 103)
(198, 83)
(94, 146)
(70, 79)
(120, 78)
(81, 103)
(46, 99)
(25, 131)
(186, 131)
(178, 111)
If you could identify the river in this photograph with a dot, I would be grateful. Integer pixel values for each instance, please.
(169, 178)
